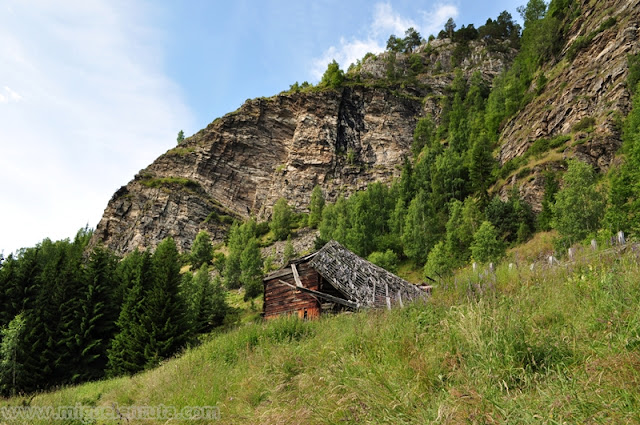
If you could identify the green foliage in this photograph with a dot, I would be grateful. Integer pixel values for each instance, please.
(536, 150)
(205, 300)
(449, 27)
(395, 44)
(316, 204)
(421, 228)
(281, 217)
(388, 260)
(180, 137)
(423, 135)
(633, 77)
(251, 269)
(579, 204)
(332, 77)
(202, 250)
(486, 246)
(163, 319)
(407, 44)
(289, 252)
(169, 181)
(507, 216)
(584, 124)
(439, 262)
(11, 368)
(481, 166)
(545, 216)
(239, 236)
(412, 39)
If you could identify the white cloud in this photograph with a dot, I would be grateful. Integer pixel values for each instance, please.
(385, 23)
(347, 53)
(434, 20)
(85, 105)
(9, 96)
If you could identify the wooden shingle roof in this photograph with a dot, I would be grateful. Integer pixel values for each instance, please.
(361, 281)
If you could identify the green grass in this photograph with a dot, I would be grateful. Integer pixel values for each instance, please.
(548, 346)
(168, 181)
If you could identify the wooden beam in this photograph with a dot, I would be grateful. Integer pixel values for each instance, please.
(327, 297)
(296, 276)
(386, 292)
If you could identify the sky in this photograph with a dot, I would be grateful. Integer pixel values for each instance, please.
(92, 91)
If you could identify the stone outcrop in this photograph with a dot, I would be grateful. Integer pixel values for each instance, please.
(588, 91)
(283, 146)
(344, 139)
(241, 164)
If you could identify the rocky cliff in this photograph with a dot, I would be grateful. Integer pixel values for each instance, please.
(584, 99)
(282, 146)
(343, 139)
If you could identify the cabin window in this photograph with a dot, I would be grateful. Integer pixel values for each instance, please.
(305, 314)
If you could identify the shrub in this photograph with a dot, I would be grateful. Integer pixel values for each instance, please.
(388, 260)
(486, 246)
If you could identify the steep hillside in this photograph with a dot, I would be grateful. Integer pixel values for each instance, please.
(584, 98)
(549, 346)
(242, 163)
(347, 137)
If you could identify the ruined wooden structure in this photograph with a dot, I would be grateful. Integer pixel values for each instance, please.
(330, 280)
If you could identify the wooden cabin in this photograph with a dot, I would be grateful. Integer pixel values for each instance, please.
(333, 279)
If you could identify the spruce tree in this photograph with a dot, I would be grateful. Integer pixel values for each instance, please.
(126, 354)
(98, 314)
(164, 310)
(280, 223)
(251, 266)
(316, 205)
(202, 250)
(208, 303)
(239, 236)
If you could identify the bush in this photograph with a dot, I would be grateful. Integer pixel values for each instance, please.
(486, 246)
(439, 262)
(333, 76)
(388, 260)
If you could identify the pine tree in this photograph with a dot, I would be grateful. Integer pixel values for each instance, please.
(251, 266)
(208, 303)
(164, 309)
(481, 167)
(202, 250)
(98, 314)
(280, 223)
(421, 229)
(315, 207)
(579, 205)
(239, 236)
(126, 354)
(289, 252)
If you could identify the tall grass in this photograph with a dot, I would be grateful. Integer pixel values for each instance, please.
(548, 345)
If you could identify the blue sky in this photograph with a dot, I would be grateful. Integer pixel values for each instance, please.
(92, 91)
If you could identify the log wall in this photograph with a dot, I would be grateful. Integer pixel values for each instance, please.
(280, 299)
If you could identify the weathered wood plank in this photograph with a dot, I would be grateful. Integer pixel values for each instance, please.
(325, 296)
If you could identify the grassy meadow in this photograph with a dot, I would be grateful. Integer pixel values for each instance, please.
(554, 345)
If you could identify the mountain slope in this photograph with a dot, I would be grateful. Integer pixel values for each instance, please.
(584, 98)
(546, 346)
(282, 146)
